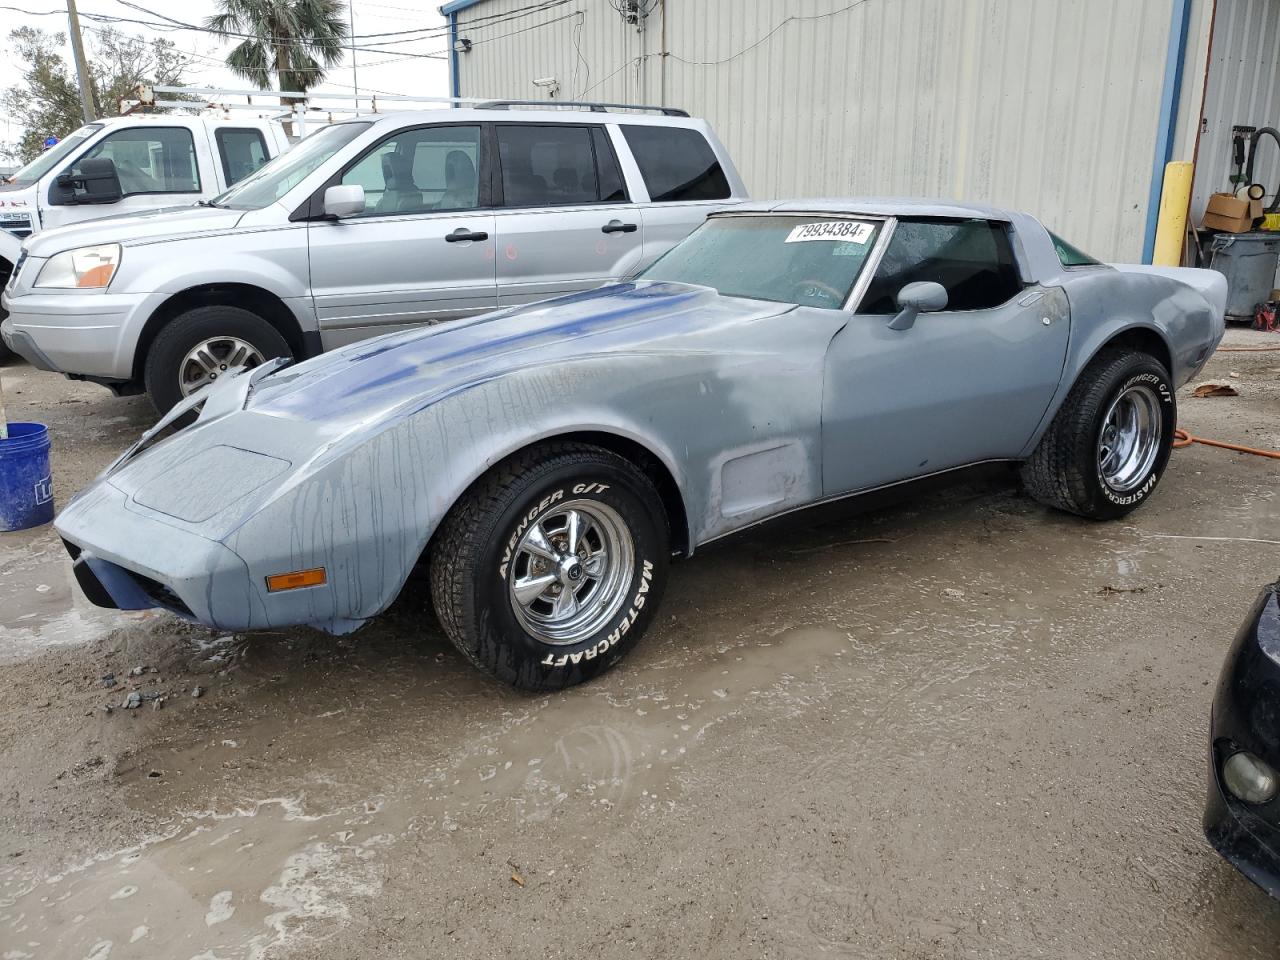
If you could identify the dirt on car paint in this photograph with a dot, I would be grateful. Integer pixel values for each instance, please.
(962, 726)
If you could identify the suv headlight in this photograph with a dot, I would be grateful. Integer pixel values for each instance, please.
(84, 268)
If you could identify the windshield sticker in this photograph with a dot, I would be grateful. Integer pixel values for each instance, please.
(844, 230)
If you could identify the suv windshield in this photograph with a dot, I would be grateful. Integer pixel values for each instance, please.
(803, 260)
(272, 181)
(41, 165)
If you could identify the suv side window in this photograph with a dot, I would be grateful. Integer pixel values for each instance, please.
(610, 187)
(677, 163)
(242, 150)
(420, 171)
(972, 259)
(149, 159)
(547, 165)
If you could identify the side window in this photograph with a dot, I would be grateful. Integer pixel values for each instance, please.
(1071, 255)
(676, 163)
(972, 259)
(149, 159)
(610, 186)
(551, 165)
(420, 170)
(241, 150)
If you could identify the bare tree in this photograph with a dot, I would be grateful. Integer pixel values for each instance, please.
(46, 101)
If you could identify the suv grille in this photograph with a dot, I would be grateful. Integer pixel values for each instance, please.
(19, 226)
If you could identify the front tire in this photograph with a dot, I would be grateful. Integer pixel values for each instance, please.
(551, 566)
(1108, 445)
(195, 348)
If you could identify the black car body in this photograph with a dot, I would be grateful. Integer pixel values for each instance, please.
(1242, 815)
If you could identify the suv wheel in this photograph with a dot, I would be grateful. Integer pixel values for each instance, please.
(1107, 447)
(197, 347)
(550, 568)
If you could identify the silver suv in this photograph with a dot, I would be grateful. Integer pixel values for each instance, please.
(365, 227)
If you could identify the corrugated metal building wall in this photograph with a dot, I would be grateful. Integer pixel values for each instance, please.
(1243, 88)
(1050, 106)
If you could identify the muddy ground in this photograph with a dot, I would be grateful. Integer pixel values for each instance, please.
(962, 726)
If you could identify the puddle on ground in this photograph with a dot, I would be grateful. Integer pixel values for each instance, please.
(242, 884)
(921, 644)
(40, 604)
(255, 879)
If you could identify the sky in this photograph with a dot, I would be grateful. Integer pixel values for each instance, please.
(392, 71)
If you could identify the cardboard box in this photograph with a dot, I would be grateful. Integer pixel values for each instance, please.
(1231, 214)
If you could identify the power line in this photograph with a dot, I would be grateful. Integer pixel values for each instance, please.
(786, 20)
(411, 35)
(168, 24)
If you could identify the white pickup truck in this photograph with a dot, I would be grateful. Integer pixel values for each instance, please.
(127, 164)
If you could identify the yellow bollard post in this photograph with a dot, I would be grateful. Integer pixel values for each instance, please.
(1171, 227)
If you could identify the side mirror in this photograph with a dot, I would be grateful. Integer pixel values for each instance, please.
(344, 200)
(96, 182)
(917, 298)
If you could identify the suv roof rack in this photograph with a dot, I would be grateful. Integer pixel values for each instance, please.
(593, 106)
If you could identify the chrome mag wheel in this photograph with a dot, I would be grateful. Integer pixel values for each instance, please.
(1130, 438)
(570, 572)
(214, 358)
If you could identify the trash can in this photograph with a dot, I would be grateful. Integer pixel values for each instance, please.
(1248, 261)
(26, 483)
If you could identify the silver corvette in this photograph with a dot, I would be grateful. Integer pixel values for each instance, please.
(542, 465)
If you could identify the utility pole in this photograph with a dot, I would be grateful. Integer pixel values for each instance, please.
(82, 68)
(355, 78)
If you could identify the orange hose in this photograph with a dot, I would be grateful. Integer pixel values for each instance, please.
(1246, 349)
(1183, 439)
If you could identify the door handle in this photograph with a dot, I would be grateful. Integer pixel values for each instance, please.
(462, 233)
(617, 226)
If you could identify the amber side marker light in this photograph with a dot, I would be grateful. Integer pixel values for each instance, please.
(296, 580)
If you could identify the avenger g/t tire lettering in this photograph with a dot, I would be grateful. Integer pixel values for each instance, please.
(1108, 445)
(550, 567)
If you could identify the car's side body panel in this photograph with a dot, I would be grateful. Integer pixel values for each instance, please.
(1106, 303)
(974, 362)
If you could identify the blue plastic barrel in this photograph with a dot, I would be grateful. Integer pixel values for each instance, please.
(26, 483)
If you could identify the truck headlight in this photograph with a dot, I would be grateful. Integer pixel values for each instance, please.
(85, 268)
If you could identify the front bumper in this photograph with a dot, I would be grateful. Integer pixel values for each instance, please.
(1246, 716)
(171, 525)
(127, 560)
(85, 334)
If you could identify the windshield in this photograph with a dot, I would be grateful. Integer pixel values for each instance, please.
(272, 181)
(800, 260)
(42, 164)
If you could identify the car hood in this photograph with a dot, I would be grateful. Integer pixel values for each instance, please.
(145, 226)
(402, 372)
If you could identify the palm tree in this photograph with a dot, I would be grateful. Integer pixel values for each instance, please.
(290, 38)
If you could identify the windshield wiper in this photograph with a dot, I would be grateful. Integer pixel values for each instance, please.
(207, 203)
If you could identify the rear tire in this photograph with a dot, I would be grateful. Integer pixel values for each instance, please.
(171, 374)
(1108, 445)
(516, 600)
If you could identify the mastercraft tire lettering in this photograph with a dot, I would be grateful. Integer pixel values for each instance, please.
(550, 568)
(1108, 445)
